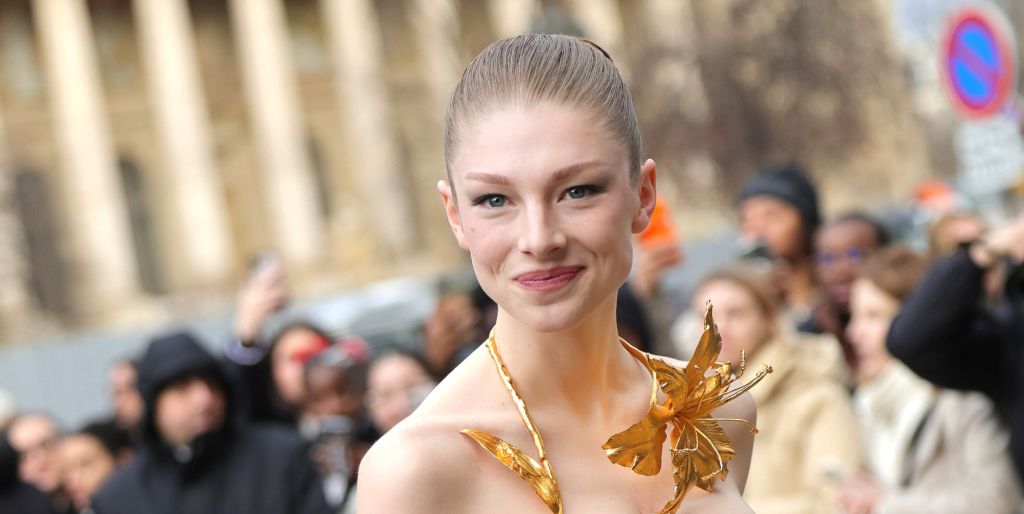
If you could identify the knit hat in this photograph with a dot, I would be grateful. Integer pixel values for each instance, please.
(789, 184)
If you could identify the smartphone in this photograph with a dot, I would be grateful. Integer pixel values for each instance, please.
(264, 262)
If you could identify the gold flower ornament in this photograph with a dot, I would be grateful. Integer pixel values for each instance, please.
(700, 448)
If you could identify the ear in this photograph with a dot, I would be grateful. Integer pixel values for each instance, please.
(451, 210)
(647, 189)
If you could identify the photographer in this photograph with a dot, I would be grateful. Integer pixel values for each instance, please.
(946, 335)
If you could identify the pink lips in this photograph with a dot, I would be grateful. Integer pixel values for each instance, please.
(549, 279)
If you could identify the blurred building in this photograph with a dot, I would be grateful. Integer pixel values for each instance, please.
(149, 148)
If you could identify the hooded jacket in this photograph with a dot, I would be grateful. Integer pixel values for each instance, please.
(235, 468)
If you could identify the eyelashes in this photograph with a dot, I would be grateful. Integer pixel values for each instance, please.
(580, 192)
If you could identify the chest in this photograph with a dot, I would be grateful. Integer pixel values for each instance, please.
(588, 482)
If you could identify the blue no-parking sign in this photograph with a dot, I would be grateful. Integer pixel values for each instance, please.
(979, 62)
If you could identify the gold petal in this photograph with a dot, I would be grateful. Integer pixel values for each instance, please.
(714, 451)
(525, 466)
(639, 446)
(706, 353)
(672, 381)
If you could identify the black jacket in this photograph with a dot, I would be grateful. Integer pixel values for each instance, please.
(945, 335)
(238, 468)
(15, 495)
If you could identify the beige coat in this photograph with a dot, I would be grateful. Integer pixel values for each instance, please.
(960, 463)
(808, 436)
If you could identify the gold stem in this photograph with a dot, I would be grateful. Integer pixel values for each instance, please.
(538, 441)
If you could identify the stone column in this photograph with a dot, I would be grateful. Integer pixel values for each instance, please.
(355, 42)
(437, 26)
(105, 269)
(16, 312)
(269, 76)
(602, 23)
(512, 17)
(183, 126)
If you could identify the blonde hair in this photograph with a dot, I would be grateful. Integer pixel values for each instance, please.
(754, 282)
(530, 69)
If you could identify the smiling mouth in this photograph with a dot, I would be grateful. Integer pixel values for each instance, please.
(549, 279)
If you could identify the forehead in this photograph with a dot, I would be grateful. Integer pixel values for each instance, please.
(722, 291)
(395, 367)
(530, 143)
(81, 444)
(866, 294)
(765, 204)
(847, 233)
(31, 430)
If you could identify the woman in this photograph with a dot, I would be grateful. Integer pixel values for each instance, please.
(807, 426)
(545, 191)
(397, 382)
(929, 449)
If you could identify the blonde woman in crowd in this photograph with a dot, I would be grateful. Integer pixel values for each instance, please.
(807, 429)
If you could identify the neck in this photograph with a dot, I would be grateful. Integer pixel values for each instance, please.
(581, 370)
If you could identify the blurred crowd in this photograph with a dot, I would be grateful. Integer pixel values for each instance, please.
(897, 383)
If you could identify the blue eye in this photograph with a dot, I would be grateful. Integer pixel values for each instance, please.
(579, 192)
(491, 201)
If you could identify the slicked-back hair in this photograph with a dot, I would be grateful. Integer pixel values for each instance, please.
(527, 70)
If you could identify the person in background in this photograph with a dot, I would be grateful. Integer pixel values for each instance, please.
(656, 251)
(778, 214)
(804, 417)
(952, 230)
(929, 449)
(334, 417)
(124, 395)
(633, 319)
(450, 333)
(197, 455)
(34, 436)
(945, 333)
(17, 497)
(397, 382)
(956, 229)
(840, 248)
(267, 364)
(7, 410)
(89, 456)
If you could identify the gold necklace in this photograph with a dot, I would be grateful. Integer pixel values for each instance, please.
(538, 474)
(700, 448)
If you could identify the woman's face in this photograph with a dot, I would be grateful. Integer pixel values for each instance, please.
(742, 322)
(871, 314)
(395, 386)
(545, 208)
(286, 367)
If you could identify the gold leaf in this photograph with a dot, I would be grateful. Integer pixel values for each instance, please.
(525, 466)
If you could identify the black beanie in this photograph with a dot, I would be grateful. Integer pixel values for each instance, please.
(789, 184)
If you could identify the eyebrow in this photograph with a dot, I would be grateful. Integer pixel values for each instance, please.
(558, 175)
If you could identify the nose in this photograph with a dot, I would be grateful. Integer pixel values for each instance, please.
(540, 234)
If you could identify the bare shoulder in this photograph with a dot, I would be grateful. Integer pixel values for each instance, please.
(414, 468)
(424, 465)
